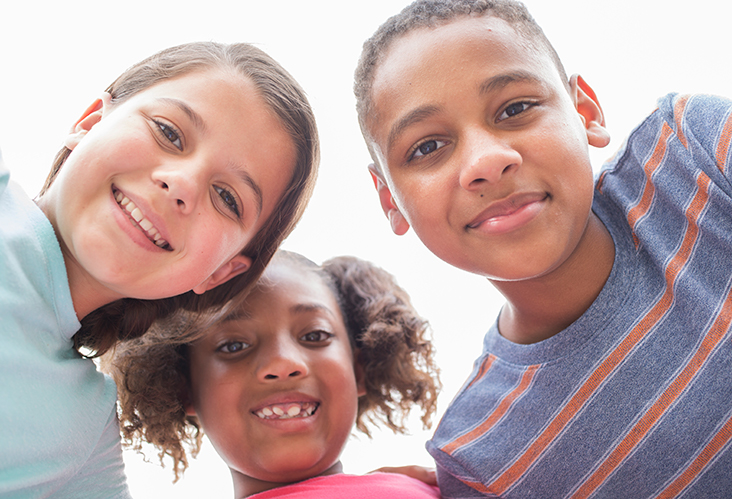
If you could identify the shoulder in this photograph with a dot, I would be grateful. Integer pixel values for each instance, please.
(703, 122)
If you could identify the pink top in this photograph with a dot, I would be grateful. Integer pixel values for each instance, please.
(354, 487)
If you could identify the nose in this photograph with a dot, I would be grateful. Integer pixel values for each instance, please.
(486, 160)
(281, 360)
(182, 185)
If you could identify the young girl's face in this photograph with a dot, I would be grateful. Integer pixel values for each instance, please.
(162, 192)
(275, 387)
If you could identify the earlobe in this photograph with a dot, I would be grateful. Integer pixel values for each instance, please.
(399, 224)
(360, 375)
(588, 107)
(237, 265)
(91, 117)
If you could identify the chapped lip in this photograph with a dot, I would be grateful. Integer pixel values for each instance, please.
(507, 206)
(149, 214)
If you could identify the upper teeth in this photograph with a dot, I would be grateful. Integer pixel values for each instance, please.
(287, 411)
(146, 225)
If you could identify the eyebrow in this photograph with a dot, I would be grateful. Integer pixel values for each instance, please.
(501, 81)
(490, 85)
(188, 110)
(414, 116)
(302, 308)
(247, 179)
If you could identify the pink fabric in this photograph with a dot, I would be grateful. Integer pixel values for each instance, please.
(354, 487)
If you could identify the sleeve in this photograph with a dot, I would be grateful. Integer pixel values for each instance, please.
(703, 124)
(452, 488)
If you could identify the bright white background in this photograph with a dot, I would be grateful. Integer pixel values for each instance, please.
(56, 57)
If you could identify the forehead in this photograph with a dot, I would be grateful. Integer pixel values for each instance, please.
(286, 284)
(422, 63)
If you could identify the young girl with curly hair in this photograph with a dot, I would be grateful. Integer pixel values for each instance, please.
(162, 198)
(279, 382)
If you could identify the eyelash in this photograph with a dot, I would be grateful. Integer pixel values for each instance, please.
(413, 153)
(526, 106)
(166, 130)
(229, 199)
(320, 336)
(226, 347)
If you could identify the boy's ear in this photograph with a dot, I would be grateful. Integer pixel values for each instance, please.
(237, 265)
(399, 224)
(588, 107)
(91, 117)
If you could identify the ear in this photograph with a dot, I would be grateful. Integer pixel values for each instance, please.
(91, 117)
(237, 265)
(399, 224)
(588, 107)
(360, 375)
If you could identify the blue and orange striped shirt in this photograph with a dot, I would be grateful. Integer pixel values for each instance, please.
(634, 399)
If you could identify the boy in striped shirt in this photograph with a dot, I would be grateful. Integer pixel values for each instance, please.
(607, 373)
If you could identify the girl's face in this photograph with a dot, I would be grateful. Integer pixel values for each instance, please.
(275, 386)
(162, 191)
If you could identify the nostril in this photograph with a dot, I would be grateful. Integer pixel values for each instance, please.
(295, 373)
(270, 376)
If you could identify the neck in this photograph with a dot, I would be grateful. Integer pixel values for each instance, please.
(86, 294)
(245, 485)
(541, 307)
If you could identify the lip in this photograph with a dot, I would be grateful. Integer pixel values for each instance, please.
(509, 213)
(291, 424)
(133, 230)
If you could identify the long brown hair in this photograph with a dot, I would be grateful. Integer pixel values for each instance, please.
(129, 317)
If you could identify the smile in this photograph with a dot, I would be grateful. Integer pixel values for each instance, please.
(287, 411)
(136, 215)
(510, 213)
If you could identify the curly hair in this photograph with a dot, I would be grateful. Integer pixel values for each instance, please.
(392, 340)
(430, 14)
(130, 317)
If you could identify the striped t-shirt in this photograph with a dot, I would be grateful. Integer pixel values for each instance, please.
(634, 399)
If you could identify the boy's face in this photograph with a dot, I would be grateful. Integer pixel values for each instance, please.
(275, 387)
(483, 149)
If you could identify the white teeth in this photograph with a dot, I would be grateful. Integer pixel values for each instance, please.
(136, 213)
(146, 225)
(288, 411)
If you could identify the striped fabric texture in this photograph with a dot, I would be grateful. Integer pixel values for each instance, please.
(634, 399)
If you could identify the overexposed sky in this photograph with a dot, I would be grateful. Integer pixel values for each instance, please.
(57, 57)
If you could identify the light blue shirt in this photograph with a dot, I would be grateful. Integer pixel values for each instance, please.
(60, 435)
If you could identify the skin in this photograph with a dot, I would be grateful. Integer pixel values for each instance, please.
(206, 178)
(287, 344)
(483, 151)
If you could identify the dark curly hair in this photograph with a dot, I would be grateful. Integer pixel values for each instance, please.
(430, 14)
(152, 372)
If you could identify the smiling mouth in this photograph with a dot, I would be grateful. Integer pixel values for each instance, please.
(136, 216)
(290, 410)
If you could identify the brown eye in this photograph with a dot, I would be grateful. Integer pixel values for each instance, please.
(427, 147)
(316, 336)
